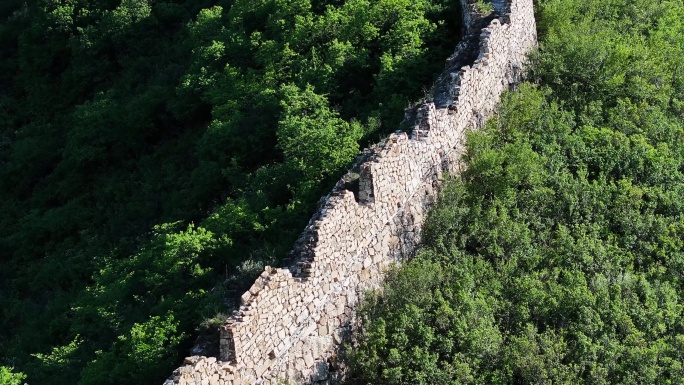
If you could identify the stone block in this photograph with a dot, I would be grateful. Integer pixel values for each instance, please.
(246, 297)
(308, 360)
(262, 369)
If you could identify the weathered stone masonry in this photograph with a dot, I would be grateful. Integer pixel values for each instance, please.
(293, 320)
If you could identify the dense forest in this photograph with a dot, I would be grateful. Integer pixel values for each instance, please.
(156, 154)
(558, 256)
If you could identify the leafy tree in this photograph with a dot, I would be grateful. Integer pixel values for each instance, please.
(315, 142)
(9, 378)
(140, 355)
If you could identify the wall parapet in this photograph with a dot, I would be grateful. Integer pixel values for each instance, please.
(293, 320)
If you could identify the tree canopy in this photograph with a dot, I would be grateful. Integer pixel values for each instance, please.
(557, 256)
(155, 155)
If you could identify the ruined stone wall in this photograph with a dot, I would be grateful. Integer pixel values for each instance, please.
(293, 320)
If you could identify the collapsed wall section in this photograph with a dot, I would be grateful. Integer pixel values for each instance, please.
(293, 320)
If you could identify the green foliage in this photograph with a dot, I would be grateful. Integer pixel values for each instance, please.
(9, 378)
(557, 256)
(60, 356)
(155, 155)
(316, 143)
(484, 7)
(139, 356)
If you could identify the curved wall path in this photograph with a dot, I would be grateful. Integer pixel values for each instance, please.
(293, 320)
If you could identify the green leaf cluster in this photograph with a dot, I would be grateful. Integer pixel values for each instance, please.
(9, 378)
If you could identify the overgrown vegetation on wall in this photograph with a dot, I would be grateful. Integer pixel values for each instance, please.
(151, 150)
(558, 255)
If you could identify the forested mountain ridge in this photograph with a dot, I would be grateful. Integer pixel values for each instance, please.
(154, 155)
(557, 256)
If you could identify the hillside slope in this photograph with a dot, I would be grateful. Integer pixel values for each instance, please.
(557, 257)
(155, 155)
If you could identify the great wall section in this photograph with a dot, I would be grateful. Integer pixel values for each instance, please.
(294, 320)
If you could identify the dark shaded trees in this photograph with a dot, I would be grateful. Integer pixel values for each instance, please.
(154, 155)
